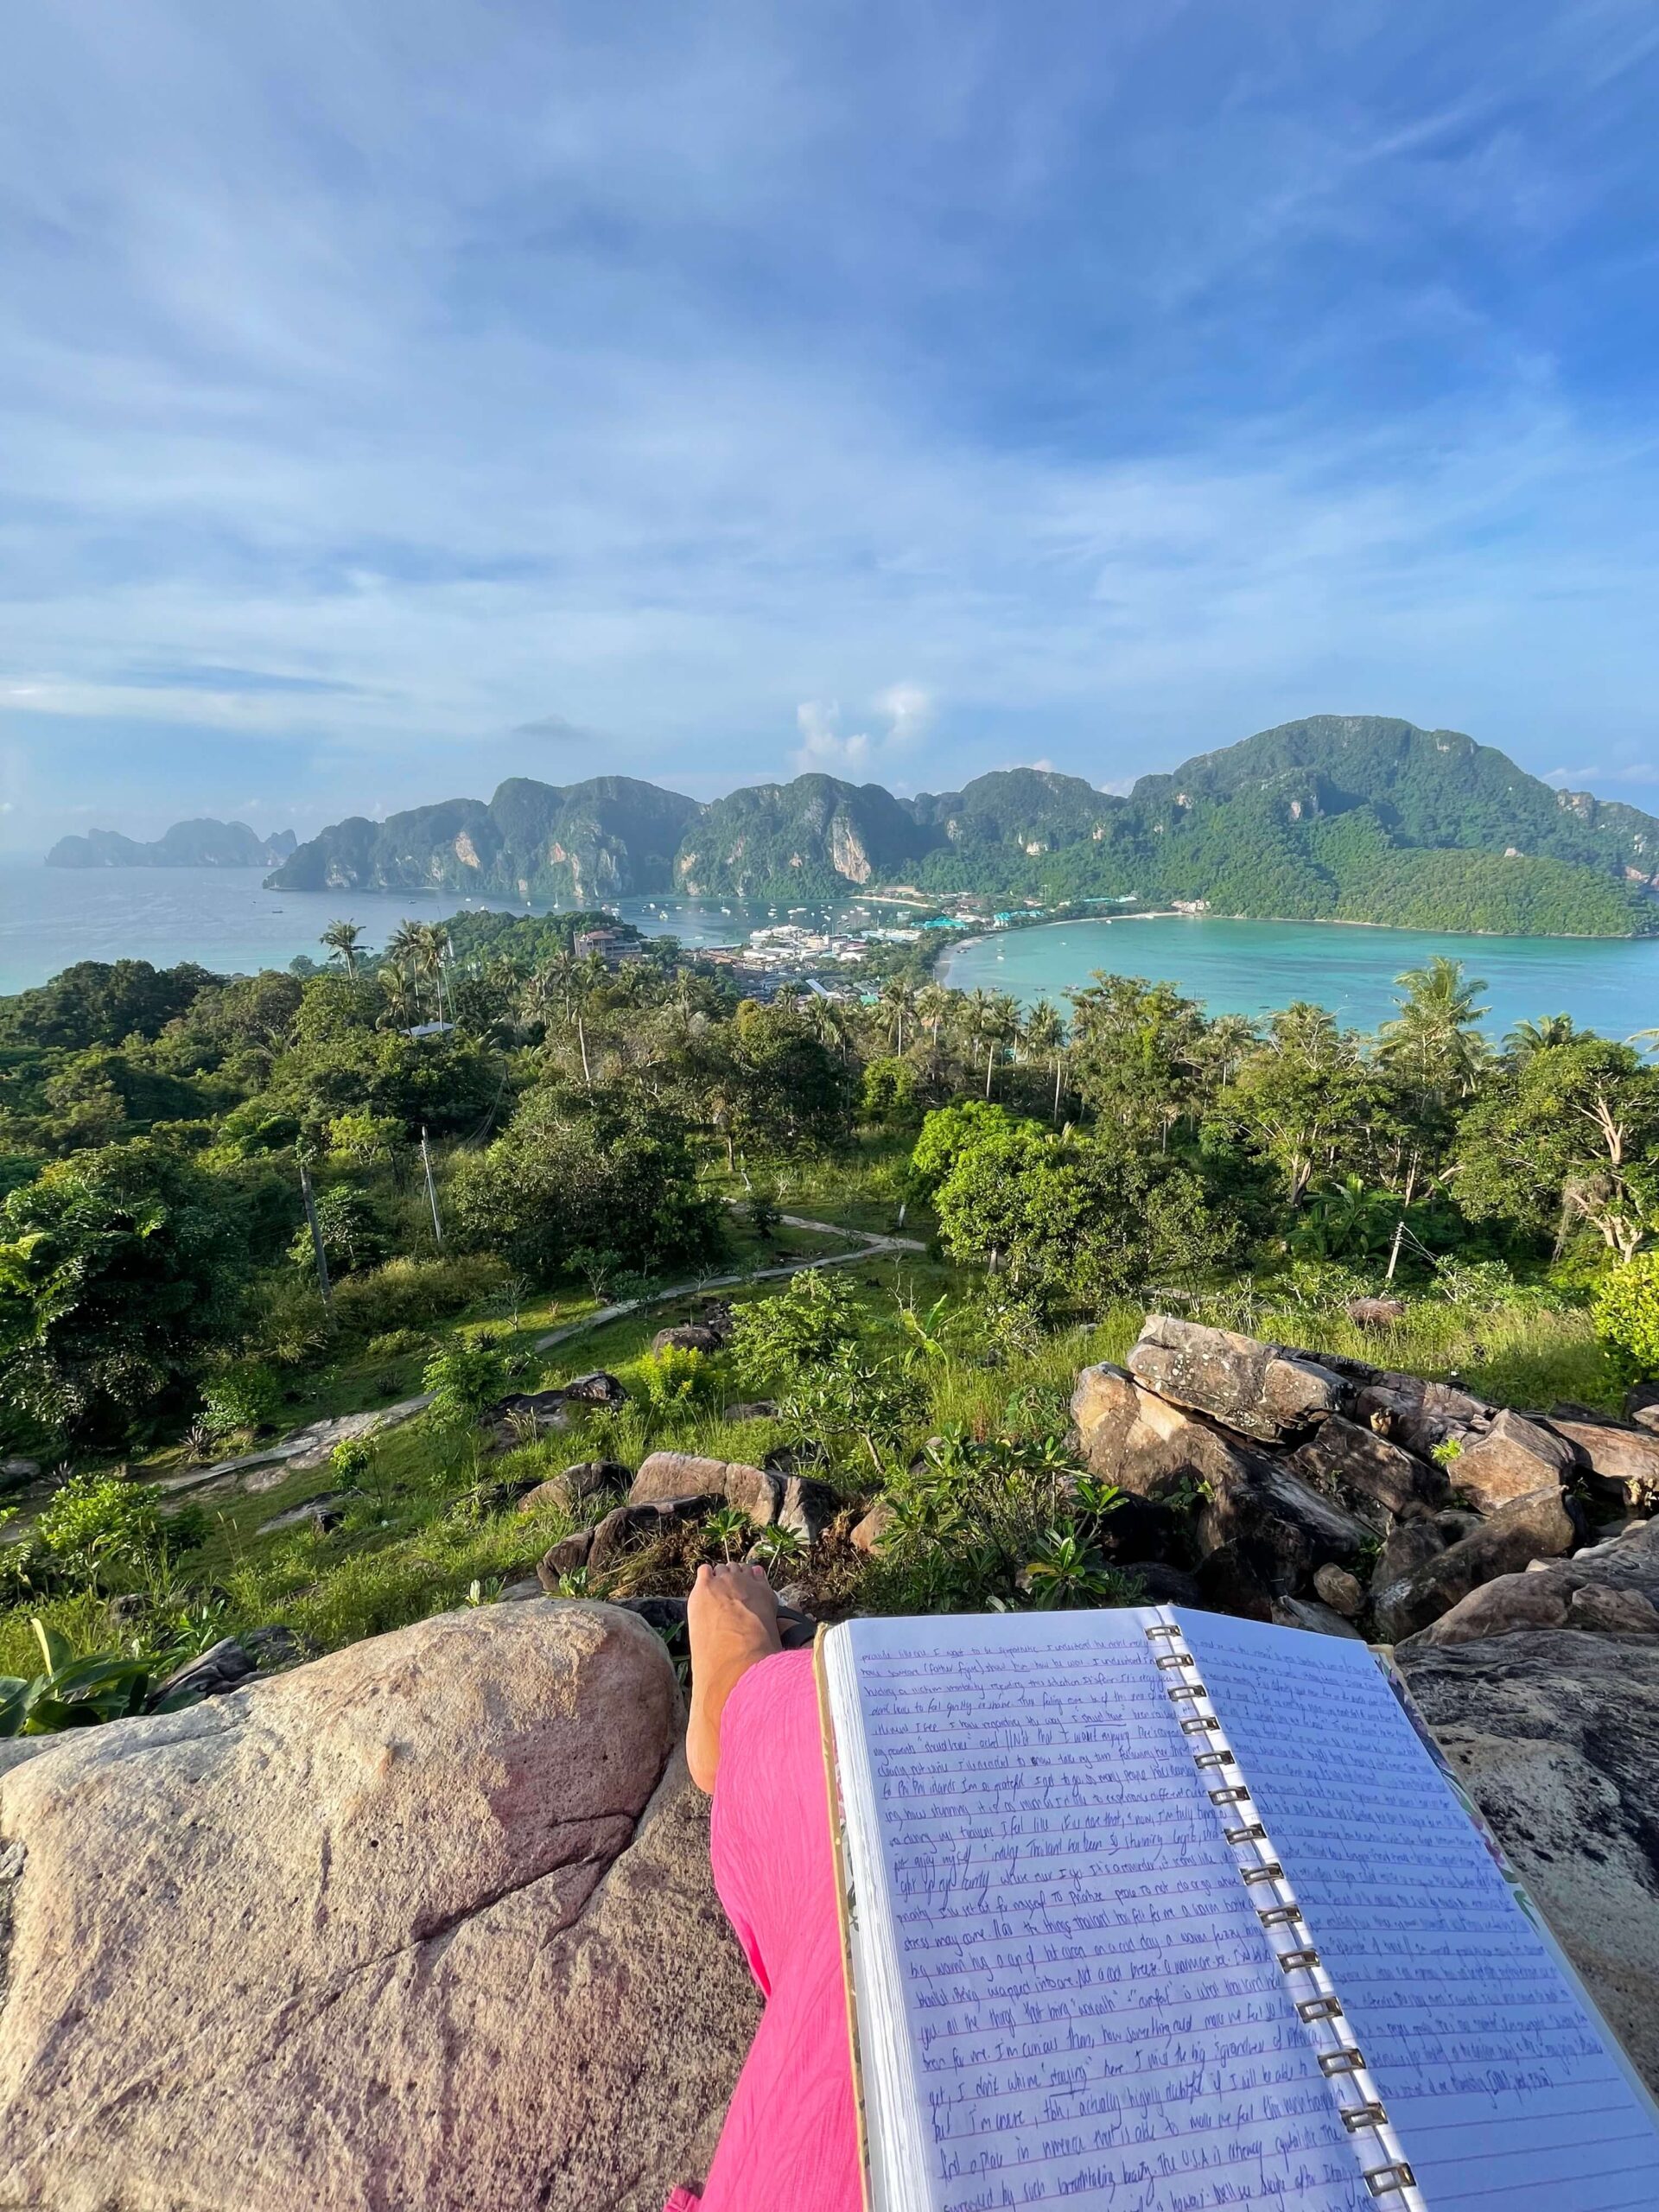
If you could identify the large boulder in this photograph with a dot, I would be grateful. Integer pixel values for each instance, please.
(1514, 1458)
(687, 1336)
(1611, 1588)
(1258, 1389)
(1538, 1526)
(1376, 1477)
(1141, 1442)
(1622, 1460)
(721, 1482)
(420, 1923)
(1280, 1526)
(1556, 1737)
(1417, 1415)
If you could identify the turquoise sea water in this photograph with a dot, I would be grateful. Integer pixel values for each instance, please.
(227, 920)
(1609, 984)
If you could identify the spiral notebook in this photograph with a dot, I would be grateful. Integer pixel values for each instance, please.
(1161, 1911)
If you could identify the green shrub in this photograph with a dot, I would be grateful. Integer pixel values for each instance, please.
(410, 1293)
(1626, 1315)
(675, 1378)
(353, 1238)
(805, 1326)
(247, 1397)
(99, 1525)
(398, 1344)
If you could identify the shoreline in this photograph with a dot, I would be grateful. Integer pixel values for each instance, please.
(1277, 921)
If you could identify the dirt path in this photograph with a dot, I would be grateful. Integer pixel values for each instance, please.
(869, 1246)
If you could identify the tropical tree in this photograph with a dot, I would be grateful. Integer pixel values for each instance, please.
(345, 938)
(899, 1002)
(1540, 1036)
(1571, 1134)
(1435, 1041)
(1303, 1098)
(1044, 1036)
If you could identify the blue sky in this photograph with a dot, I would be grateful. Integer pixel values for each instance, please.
(397, 394)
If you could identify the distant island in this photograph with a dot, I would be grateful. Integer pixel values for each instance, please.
(206, 843)
(1342, 818)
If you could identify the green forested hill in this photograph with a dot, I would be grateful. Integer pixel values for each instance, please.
(1356, 818)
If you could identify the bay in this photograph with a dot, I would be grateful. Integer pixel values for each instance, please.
(1611, 984)
(227, 919)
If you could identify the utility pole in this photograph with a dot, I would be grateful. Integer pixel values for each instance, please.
(316, 1233)
(431, 1189)
(1394, 1250)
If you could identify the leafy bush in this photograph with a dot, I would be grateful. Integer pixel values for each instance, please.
(247, 1397)
(353, 1238)
(100, 1524)
(676, 1378)
(397, 1343)
(805, 1326)
(406, 1294)
(1626, 1316)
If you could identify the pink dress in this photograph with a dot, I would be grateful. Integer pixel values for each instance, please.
(790, 2143)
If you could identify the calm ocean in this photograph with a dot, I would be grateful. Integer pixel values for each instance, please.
(227, 919)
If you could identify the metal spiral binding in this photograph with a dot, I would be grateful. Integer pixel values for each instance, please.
(1317, 2005)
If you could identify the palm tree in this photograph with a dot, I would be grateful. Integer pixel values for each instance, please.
(347, 939)
(1043, 1034)
(899, 997)
(1541, 1036)
(1435, 1037)
(995, 1019)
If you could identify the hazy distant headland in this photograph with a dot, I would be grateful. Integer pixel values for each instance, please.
(203, 843)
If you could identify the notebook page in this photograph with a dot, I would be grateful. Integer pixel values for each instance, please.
(1497, 2079)
(1072, 2001)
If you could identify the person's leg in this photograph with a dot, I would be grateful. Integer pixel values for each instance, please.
(790, 2139)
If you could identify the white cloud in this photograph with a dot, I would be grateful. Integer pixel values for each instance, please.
(905, 710)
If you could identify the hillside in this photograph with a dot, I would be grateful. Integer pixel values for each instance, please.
(205, 843)
(1340, 818)
(604, 838)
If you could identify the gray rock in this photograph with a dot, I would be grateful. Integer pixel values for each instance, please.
(1604, 1610)
(1375, 1313)
(321, 1514)
(1497, 1608)
(687, 1336)
(1641, 1406)
(1367, 1471)
(807, 1507)
(1252, 1386)
(1141, 1442)
(868, 1532)
(1613, 1586)
(1514, 1458)
(598, 1388)
(1280, 1524)
(444, 1897)
(1319, 1620)
(1454, 1523)
(16, 1473)
(1623, 1460)
(683, 1474)
(1408, 1546)
(1161, 1584)
(569, 1556)
(1535, 1527)
(1342, 1592)
(210, 1673)
(1556, 1737)
(587, 1478)
(753, 1409)
(1228, 1583)
(1417, 1415)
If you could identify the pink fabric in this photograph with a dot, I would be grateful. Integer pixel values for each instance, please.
(790, 2143)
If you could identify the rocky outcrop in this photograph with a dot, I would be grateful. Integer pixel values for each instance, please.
(668, 1475)
(1556, 1737)
(1514, 1457)
(1258, 1389)
(1611, 1587)
(1275, 1469)
(1537, 1526)
(417, 1924)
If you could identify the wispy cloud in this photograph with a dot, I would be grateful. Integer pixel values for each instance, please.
(368, 392)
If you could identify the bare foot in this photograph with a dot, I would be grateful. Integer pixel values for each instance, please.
(731, 1618)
